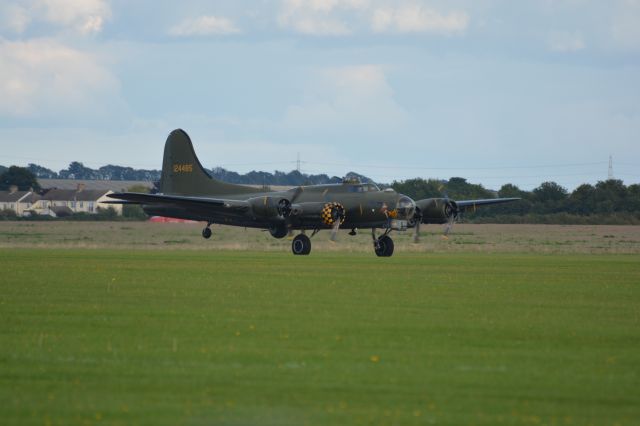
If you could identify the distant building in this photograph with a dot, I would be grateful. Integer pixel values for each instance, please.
(57, 202)
(17, 201)
(63, 202)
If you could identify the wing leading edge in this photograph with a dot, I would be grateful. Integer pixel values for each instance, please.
(178, 200)
(472, 204)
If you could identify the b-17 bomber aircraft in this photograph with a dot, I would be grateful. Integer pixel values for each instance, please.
(188, 192)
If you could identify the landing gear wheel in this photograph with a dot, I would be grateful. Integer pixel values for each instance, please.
(384, 246)
(301, 245)
(206, 233)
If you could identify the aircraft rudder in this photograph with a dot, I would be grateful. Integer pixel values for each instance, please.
(182, 172)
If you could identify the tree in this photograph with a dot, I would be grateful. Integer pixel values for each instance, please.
(510, 190)
(77, 170)
(20, 177)
(419, 189)
(42, 172)
(550, 191)
(582, 200)
(134, 211)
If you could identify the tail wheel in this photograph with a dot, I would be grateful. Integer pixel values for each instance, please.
(301, 245)
(206, 233)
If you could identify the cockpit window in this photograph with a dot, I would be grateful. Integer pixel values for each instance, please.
(368, 187)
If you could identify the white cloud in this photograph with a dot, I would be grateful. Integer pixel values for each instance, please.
(625, 29)
(204, 25)
(43, 78)
(84, 16)
(318, 17)
(343, 17)
(14, 17)
(566, 42)
(353, 97)
(416, 18)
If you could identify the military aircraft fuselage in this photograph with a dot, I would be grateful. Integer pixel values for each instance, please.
(187, 191)
(365, 206)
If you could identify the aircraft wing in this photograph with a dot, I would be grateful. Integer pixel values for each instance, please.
(178, 200)
(473, 204)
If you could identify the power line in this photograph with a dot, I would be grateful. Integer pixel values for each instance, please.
(405, 167)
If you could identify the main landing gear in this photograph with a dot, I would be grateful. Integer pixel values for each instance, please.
(206, 232)
(383, 246)
(301, 245)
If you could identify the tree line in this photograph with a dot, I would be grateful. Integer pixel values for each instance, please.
(607, 202)
(77, 170)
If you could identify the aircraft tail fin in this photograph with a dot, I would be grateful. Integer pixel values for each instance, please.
(183, 174)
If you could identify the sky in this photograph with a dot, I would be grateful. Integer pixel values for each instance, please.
(496, 91)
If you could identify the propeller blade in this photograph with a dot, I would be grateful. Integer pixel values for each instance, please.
(416, 233)
(296, 194)
(334, 231)
(416, 220)
(449, 226)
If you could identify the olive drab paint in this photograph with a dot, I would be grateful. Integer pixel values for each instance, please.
(187, 191)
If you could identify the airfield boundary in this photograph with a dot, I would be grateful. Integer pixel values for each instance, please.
(561, 239)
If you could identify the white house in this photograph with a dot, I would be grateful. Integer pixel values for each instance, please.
(59, 202)
(20, 202)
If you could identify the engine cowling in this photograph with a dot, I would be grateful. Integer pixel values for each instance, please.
(437, 210)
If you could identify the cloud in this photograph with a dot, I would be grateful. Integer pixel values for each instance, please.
(347, 98)
(86, 16)
(415, 18)
(344, 17)
(318, 17)
(81, 16)
(203, 26)
(566, 42)
(44, 78)
(14, 18)
(625, 28)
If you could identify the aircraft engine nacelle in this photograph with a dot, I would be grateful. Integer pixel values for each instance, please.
(437, 210)
(266, 206)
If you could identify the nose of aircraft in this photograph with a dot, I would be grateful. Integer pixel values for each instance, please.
(405, 207)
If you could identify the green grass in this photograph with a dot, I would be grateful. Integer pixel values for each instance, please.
(195, 337)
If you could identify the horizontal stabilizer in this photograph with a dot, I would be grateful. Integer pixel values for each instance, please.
(178, 200)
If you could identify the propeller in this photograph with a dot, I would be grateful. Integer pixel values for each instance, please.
(451, 212)
(333, 214)
(284, 205)
(417, 220)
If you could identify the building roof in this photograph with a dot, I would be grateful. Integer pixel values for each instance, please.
(74, 195)
(12, 197)
(106, 185)
(61, 211)
(31, 198)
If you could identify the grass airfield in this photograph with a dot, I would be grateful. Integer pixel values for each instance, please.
(502, 330)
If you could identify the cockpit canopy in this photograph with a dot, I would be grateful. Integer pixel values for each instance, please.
(406, 208)
(364, 187)
(351, 180)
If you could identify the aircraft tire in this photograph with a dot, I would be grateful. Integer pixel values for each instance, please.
(385, 246)
(301, 245)
(206, 233)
